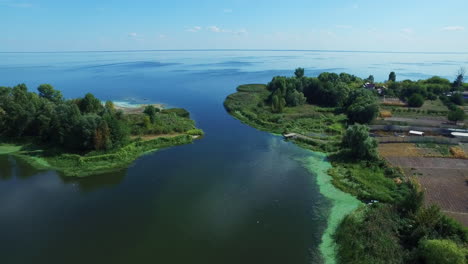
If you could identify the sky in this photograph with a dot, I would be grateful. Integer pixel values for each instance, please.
(352, 25)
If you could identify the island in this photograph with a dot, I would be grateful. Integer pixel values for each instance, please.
(84, 136)
(350, 120)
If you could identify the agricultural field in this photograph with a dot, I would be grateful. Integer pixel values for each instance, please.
(442, 175)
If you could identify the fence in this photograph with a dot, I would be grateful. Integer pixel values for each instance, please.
(417, 139)
(396, 128)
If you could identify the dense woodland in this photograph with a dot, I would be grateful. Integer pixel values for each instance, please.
(329, 90)
(79, 125)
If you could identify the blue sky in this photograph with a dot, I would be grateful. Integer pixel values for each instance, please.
(376, 25)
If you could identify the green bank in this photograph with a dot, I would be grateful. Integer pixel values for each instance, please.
(377, 214)
(83, 136)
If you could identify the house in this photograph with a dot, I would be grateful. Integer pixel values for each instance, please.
(368, 85)
(416, 133)
(373, 86)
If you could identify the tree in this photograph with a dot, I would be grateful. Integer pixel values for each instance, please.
(150, 110)
(102, 139)
(110, 106)
(457, 98)
(299, 72)
(359, 144)
(278, 104)
(361, 106)
(370, 79)
(416, 100)
(295, 98)
(456, 115)
(48, 92)
(458, 83)
(442, 252)
(90, 104)
(392, 77)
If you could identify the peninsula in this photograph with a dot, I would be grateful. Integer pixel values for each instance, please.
(333, 114)
(84, 136)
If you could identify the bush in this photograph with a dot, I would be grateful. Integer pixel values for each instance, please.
(359, 144)
(416, 100)
(456, 115)
(442, 252)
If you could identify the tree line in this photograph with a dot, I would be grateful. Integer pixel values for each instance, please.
(81, 124)
(341, 91)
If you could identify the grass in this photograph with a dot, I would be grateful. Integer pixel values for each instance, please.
(443, 150)
(366, 182)
(9, 148)
(428, 109)
(94, 163)
(250, 105)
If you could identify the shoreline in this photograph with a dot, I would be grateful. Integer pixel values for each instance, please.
(74, 165)
(342, 203)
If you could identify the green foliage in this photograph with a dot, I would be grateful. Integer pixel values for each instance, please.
(456, 115)
(195, 132)
(370, 236)
(48, 92)
(295, 98)
(79, 125)
(457, 98)
(442, 252)
(458, 83)
(73, 165)
(299, 72)
(416, 100)
(366, 182)
(361, 106)
(277, 104)
(359, 144)
(392, 77)
(177, 111)
(150, 111)
(322, 125)
(90, 104)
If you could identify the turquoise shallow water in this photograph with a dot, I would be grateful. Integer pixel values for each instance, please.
(237, 196)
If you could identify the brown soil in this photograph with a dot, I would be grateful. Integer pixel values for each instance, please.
(399, 150)
(445, 182)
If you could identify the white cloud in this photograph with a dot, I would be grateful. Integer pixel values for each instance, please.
(132, 34)
(194, 29)
(344, 26)
(453, 28)
(407, 31)
(242, 31)
(215, 29)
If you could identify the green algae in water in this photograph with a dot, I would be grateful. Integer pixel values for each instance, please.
(8, 148)
(342, 203)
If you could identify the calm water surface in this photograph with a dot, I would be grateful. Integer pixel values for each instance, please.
(237, 196)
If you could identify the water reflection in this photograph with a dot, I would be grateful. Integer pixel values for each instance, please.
(92, 183)
(11, 167)
(15, 168)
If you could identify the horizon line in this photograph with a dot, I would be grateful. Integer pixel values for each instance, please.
(293, 50)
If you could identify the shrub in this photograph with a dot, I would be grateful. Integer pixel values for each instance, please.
(416, 100)
(442, 252)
